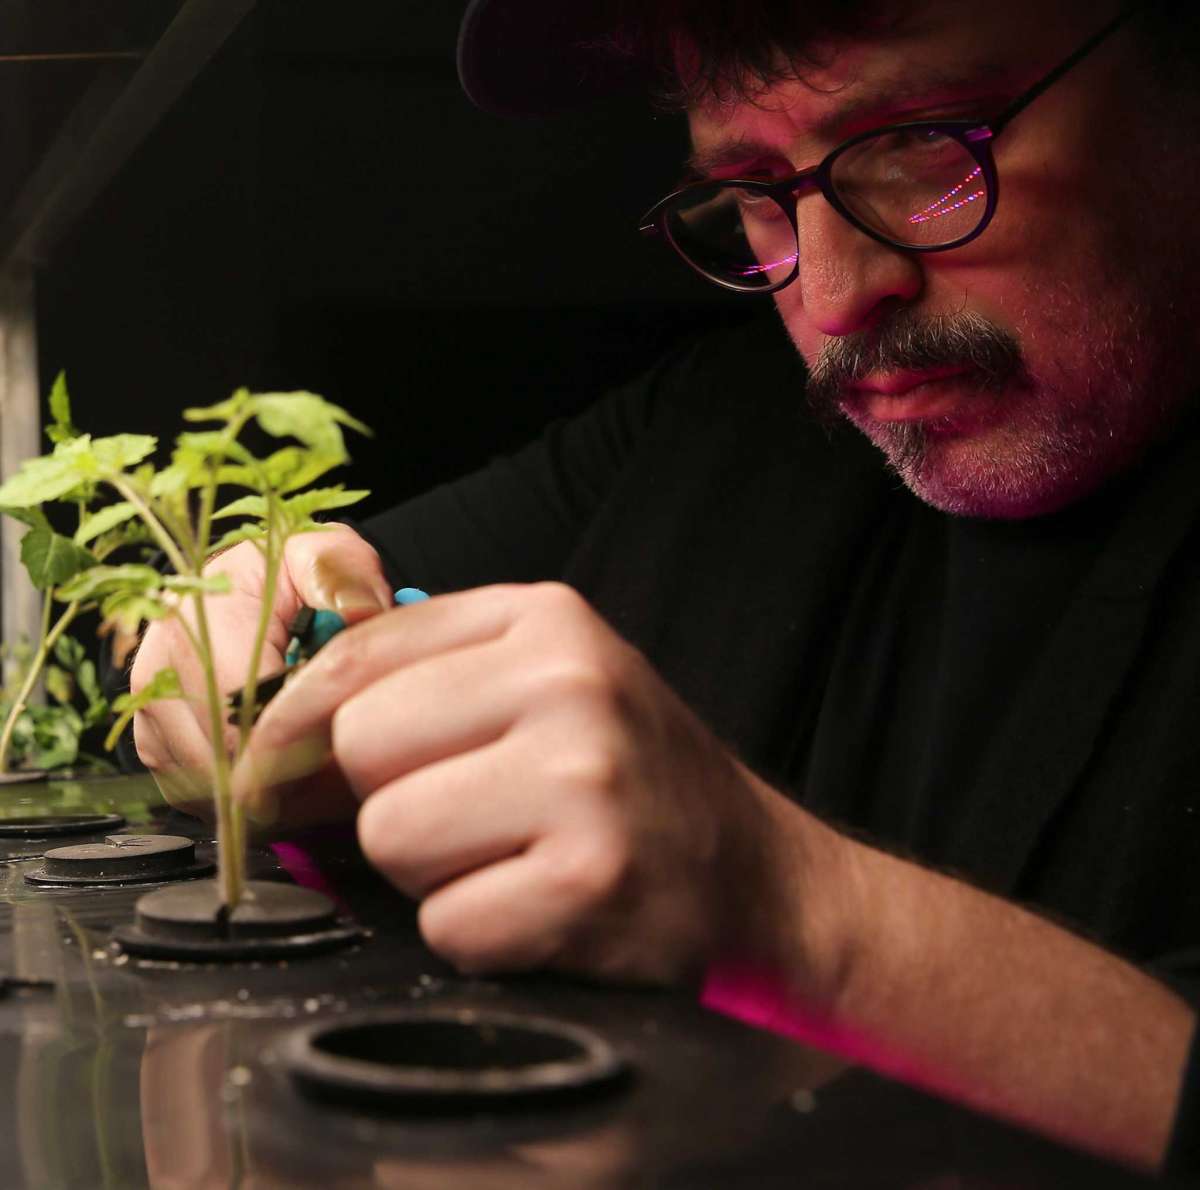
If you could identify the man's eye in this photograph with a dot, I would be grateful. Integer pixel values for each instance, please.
(755, 204)
(919, 138)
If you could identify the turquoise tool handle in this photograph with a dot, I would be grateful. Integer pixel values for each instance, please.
(326, 625)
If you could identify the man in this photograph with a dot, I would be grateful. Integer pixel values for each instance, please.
(783, 665)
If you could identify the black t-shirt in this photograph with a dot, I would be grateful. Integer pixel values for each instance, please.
(1016, 702)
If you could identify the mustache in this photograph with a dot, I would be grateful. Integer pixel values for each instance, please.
(915, 343)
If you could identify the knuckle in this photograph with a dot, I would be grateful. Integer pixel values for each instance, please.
(557, 599)
(569, 678)
(442, 935)
(591, 873)
(343, 661)
(591, 767)
(377, 835)
(341, 732)
(147, 745)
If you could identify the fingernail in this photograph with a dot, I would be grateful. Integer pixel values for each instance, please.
(353, 597)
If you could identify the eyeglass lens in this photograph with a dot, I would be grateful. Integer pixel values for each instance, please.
(917, 187)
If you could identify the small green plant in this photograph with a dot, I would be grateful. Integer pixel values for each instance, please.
(47, 736)
(176, 509)
(37, 737)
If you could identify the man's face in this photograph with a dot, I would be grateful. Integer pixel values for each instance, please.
(1083, 283)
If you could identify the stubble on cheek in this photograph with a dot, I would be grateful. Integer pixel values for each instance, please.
(1068, 398)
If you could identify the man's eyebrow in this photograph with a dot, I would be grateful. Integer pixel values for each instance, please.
(886, 100)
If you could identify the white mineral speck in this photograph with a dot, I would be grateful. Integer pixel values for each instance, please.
(240, 1076)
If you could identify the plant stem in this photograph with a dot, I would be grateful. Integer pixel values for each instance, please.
(230, 847)
(274, 558)
(229, 856)
(49, 637)
(164, 539)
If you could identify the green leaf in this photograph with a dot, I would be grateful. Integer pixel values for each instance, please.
(188, 584)
(48, 737)
(294, 467)
(87, 681)
(164, 684)
(101, 581)
(174, 479)
(236, 536)
(130, 533)
(212, 444)
(59, 684)
(255, 506)
(307, 417)
(47, 477)
(127, 610)
(122, 451)
(102, 521)
(62, 430)
(225, 411)
(51, 559)
(302, 507)
(34, 517)
(69, 653)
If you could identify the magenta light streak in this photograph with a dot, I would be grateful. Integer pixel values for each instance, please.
(755, 269)
(302, 866)
(939, 207)
(758, 997)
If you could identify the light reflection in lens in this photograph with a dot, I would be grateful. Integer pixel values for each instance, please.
(755, 270)
(944, 206)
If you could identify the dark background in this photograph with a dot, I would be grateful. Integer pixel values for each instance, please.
(325, 210)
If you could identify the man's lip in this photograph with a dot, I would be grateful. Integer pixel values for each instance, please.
(909, 396)
(896, 384)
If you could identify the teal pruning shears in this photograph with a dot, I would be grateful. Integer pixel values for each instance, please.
(310, 631)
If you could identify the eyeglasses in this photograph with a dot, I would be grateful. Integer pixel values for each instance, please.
(924, 186)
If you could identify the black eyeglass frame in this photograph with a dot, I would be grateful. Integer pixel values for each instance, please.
(974, 136)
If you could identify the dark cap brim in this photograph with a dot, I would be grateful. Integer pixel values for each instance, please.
(535, 57)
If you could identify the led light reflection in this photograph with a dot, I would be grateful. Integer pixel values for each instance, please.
(755, 270)
(944, 206)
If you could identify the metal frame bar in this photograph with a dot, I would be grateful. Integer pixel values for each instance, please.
(116, 114)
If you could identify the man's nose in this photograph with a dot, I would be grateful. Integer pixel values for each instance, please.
(846, 278)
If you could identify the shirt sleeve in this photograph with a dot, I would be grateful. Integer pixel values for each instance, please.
(518, 518)
(1183, 1153)
(1181, 971)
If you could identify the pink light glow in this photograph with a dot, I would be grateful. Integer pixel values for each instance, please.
(755, 269)
(943, 205)
(757, 997)
(302, 866)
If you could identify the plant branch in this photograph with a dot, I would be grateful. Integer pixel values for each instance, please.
(164, 539)
(49, 637)
(229, 858)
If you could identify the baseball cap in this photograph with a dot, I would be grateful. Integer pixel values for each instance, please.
(535, 57)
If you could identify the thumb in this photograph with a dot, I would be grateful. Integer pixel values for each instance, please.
(335, 569)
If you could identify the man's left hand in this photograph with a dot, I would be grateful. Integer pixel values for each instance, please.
(527, 775)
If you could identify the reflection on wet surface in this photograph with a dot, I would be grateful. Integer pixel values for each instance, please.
(130, 1073)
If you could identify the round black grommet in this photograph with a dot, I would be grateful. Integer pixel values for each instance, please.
(444, 1058)
(48, 826)
(121, 859)
(272, 921)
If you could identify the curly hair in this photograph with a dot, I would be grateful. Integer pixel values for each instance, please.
(736, 49)
(732, 48)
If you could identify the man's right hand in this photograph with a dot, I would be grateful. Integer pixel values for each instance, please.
(333, 568)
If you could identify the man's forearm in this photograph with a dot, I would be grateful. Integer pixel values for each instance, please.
(928, 979)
